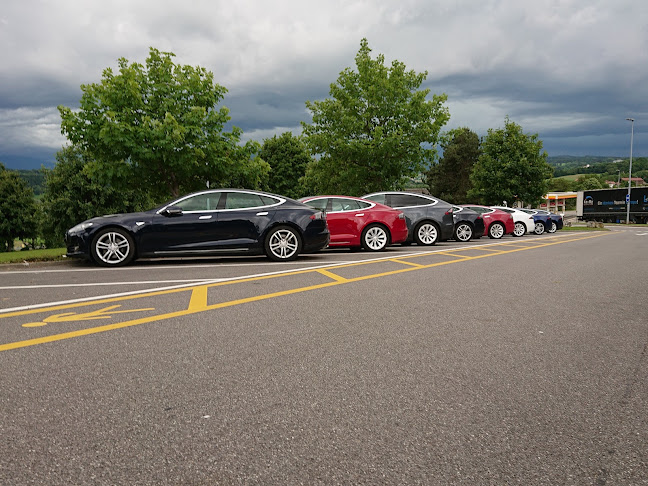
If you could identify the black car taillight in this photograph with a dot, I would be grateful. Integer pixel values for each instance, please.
(318, 215)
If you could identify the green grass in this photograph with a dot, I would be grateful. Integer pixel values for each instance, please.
(50, 254)
(582, 228)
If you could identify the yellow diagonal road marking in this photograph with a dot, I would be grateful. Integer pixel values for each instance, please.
(198, 301)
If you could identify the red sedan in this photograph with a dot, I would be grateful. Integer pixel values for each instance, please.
(359, 223)
(497, 222)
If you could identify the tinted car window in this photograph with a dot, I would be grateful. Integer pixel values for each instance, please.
(379, 198)
(318, 203)
(242, 200)
(480, 210)
(200, 202)
(405, 200)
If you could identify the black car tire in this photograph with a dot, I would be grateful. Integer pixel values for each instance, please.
(463, 232)
(375, 238)
(282, 244)
(539, 228)
(496, 231)
(426, 233)
(520, 229)
(553, 228)
(113, 247)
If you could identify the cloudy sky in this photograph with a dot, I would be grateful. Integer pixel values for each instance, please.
(571, 71)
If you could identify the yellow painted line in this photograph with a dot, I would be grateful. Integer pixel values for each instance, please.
(135, 322)
(328, 274)
(396, 260)
(447, 253)
(199, 299)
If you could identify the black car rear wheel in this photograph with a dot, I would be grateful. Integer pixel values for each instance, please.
(282, 244)
(113, 247)
(553, 227)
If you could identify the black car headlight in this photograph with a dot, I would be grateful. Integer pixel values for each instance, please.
(79, 228)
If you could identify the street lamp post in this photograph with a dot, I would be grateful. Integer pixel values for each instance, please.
(631, 120)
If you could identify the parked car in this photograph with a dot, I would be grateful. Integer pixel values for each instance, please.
(556, 220)
(469, 224)
(498, 223)
(542, 221)
(428, 219)
(524, 222)
(359, 223)
(210, 222)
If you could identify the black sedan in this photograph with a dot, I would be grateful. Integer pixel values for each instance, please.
(428, 219)
(222, 221)
(469, 224)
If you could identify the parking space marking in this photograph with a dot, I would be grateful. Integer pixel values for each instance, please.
(199, 293)
(332, 275)
(403, 262)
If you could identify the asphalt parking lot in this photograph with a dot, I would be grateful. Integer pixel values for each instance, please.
(517, 361)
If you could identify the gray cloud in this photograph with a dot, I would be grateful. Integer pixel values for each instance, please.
(569, 71)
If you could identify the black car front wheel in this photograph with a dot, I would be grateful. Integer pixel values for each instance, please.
(282, 244)
(539, 228)
(113, 247)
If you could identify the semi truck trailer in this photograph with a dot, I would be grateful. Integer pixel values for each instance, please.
(609, 205)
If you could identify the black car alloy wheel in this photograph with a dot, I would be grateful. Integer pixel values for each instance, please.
(282, 244)
(113, 247)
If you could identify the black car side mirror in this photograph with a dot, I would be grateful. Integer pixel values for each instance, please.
(172, 211)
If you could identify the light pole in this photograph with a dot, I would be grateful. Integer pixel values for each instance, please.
(631, 120)
(619, 178)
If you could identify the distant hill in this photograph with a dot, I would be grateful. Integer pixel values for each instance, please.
(571, 161)
(35, 178)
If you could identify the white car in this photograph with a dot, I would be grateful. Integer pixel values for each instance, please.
(523, 221)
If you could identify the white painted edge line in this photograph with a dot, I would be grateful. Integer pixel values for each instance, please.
(258, 275)
(96, 284)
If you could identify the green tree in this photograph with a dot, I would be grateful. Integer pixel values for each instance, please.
(17, 209)
(590, 181)
(560, 185)
(512, 167)
(157, 126)
(74, 193)
(449, 179)
(376, 128)
(288, 157)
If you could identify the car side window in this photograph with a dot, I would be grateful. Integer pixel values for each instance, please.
(406, 200)
(363, 204)
(200, 202)
(340, 204)
(242, 200)
(318, 203)
(379, 198)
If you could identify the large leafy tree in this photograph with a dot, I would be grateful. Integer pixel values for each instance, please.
(158, 126)
(512, 167)
(377, 128)
(74, 193)
(449, 179)
(288, 157)
(17, 209)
